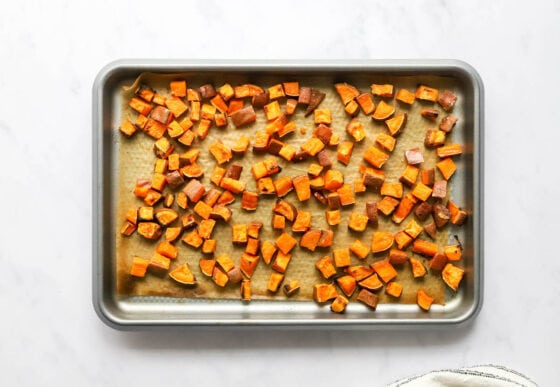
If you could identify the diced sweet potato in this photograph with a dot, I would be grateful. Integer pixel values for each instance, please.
(368, 298)
(209, 246)
(313, 146)
(278, 222)
(140, 106)
(371, 213)
(145, 92)
(245, 290)
(286, 209)
(220, 212)
(346, 92)
(359, 272)
(426, 248)
(310, 239)
(356, 129)
(252, 246)
(324, 292)
(446, 167)
(281, 262)
(402, 239)
(285, 242)
(397, 257)
(422, 192)
(159, 263)
(322, 116)
(441, 215)
(193, 239)
(360, 249)
(172, 233)
(239, 234)
(241, 146)
(446, 100)
(366, 103)
(207, 266)
(333, 217)
(375, 157)
(248, 263)
(386, 142)
(249, 201)
(265, 186)
(426, 93)
(221, 153)
(434, 138)
(438, 261)
(373, 178)
(149, 230)
(381, 241)
(371, 283)
(357, 222)
(334, 179)
(452, 275)
(244, 116)
(387, 205)
(394, 289)
(404, 208)
(405, 96)
(447, 123)
(232, 185)
(268, 249)
(219, 277)
(339, 304)
(385, 270)
(392, 189)
(449, 150)
(409, 175)
(418, 269)
(139, 267)
(414, 156)
(274, 282)
(413, 229)
(383, 111)
(344, 152)
(315, 98)
(346, 195)
(430, 114)
(382, 90)
(291, 288)
(183, 275)
(424, 300)
(302, 187)
(302, 222)
(431, 229)
(127, 128)
(427, 176)
(167, 250)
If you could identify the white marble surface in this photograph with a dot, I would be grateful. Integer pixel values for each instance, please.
(50, 53)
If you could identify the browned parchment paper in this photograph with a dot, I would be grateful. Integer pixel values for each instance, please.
(136, 159)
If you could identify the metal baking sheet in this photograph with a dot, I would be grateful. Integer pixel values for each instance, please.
(132, 312)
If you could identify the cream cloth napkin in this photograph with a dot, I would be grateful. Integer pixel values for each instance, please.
(478, 376)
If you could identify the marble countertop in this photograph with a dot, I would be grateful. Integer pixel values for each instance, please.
(50, 53)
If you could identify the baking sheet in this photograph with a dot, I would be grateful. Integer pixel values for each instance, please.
(134, 158)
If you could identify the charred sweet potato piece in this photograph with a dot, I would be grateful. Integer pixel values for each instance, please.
(394, 289)
(291, 288)
(430, 114)
(324, 292)
(371, 283)
(431, 229)
(285, 242)
(310, 239)
(373, 178)
(375, 157)
(441, 215)
(385, 270)
(315, 98)
(383, 111)
(424, 300)
(426, 248)
(368, 298)
(149, 230)
(248, 264)
(274, 282)
(139, 267)
(371, 213)
(339, 304)
(245, 290)
(183, 275)
(244, 116)
(452, 275)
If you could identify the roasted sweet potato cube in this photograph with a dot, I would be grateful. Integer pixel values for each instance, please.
(404, 208)
(422, 192)
(371, 213)
(341, 257)
(290, 127)
(187, 138)
(360, 249)
(446, 99)
(314, 169)
(176, 106)
(324, 159)
(434, 138)
(252, 246)
(447, 123)
(159, 263)
(449, 150)
(438, 262)
(155, 129)
(205, 228)
(452, 275)
(159, 99)
(413, 229)
(424, 247)
(183, 275)
(357, 222)
(313, 146)
(352, 108)
(232, 185)
(326, 267)
(446, 167)
(167, 250)
(207, 266)
(265, 186)
(359, 272)
(145, 92)
(141, 121)
(175, 130)
(239, 234)
(414, 156)
(381, 241)
(149, 230)
(371, 283)
(291, 287)
(375, 157)
(249, 201)
(302, 187)
(193, 239)
(274, 282)
(243, 116)
(339, 304)
(368, 298)
(453, 252)
(427, 93)
(225, 262)
(385, 90)
(346, 195)
(333, 179)
(220, 211)
(359, 186)
(356, 129)
(285, 242)
(146, 213)
(221, 153)
(241, 146)
(324, 292)
(254, 228)
(394, 289)
(248, 264)
(397, 257)
(385, 270)
(441, 214)
(366, 103)
(346, 92)
(333, 217)
(386, 142)
(188, 221)
(383, 111)
(272, 110)
(219, 277)
(387, 205)
(283, 186)
(417, 268)
(405, 96)
(373, 178)
(209, 246)
(302, 222)
(128, 228)
(139, 267)
(268, 249)
(424, 300)
(402, 239)
(322, 116)
(409, 175)
(203, 210)
(140, 106)
(429, 113)
(392, 189)
(326, 238)
(315, 98)
(427, 176)
(236, 105)
(281, 262)
(152, 197)
(440, 189)
(211, 196)
(127, 128)
(310, 239)
(344, 152)
(161, 115)
(431, 229)
(286, 209)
